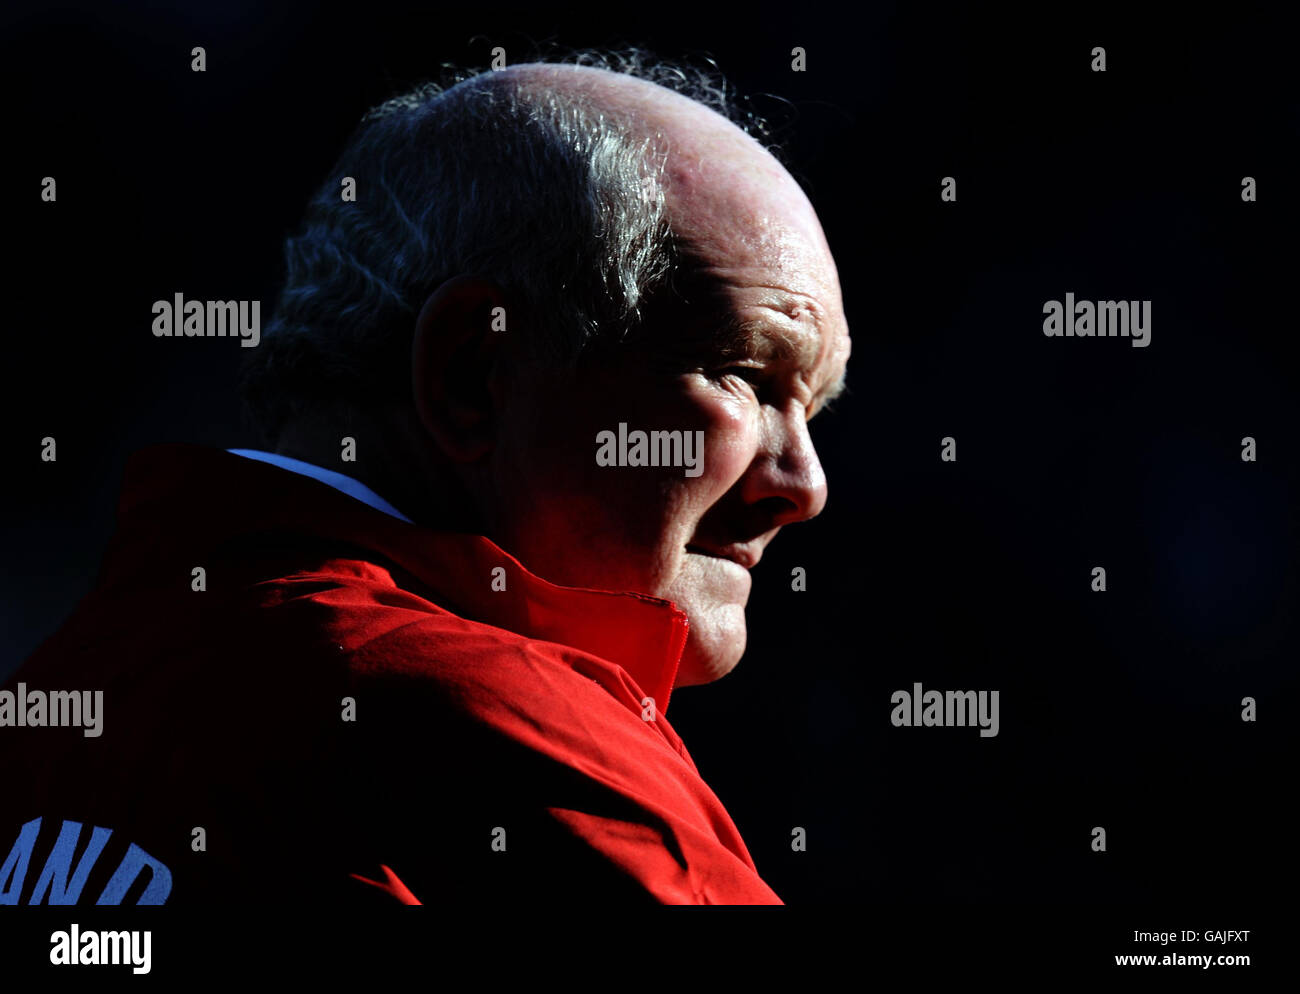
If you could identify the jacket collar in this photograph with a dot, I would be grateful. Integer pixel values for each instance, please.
(170, 489)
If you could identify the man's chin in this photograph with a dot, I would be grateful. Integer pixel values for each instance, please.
(709, 657)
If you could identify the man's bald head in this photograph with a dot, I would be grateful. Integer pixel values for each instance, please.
(716, 177)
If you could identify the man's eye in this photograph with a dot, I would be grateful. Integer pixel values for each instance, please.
(750, 374)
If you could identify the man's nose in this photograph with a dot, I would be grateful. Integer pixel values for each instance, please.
(786, 474)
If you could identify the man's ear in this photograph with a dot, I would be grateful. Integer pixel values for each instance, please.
(456, 356)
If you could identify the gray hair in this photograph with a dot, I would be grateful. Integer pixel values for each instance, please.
(556, 200)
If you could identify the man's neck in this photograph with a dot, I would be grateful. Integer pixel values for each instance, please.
(387, 456)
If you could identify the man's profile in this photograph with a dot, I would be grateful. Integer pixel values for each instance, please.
(536, 397)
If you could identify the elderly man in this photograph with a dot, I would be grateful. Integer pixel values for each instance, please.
(538, 389)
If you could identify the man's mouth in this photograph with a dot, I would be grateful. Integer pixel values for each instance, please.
(741, 555)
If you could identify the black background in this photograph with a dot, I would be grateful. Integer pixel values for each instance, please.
(1118, 709)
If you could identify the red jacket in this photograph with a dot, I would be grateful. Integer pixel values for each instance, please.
(498, 747)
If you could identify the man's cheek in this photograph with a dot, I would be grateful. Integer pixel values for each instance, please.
(728, 451)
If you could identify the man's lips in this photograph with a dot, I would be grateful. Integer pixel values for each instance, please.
(742, 555)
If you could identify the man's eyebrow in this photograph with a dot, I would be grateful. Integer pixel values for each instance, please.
(832, 391)
(829, 393)
(739, 337)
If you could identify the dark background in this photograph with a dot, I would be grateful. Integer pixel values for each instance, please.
(1119, 709)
